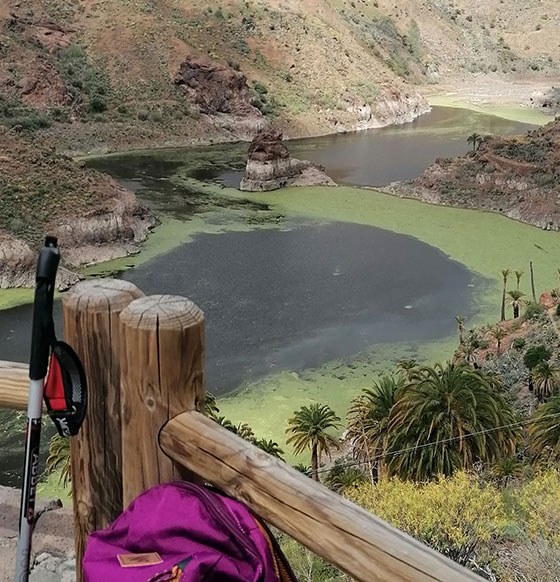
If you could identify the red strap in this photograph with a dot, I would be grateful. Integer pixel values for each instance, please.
(54, 388)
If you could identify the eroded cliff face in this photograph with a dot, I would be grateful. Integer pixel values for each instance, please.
(270, 167)
(42, 193)
(393, 106)
(517, 176)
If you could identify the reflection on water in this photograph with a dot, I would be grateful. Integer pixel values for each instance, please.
(380, 156)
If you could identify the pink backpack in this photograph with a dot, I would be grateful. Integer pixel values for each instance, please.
(183, 532)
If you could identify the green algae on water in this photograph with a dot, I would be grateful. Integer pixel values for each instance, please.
(10, 298)
(511, 112)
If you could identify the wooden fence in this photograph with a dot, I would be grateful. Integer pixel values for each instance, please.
(144, 361)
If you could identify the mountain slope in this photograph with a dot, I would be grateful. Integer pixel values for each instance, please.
(312, 66)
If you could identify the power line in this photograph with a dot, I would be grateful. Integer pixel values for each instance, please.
(440, 442)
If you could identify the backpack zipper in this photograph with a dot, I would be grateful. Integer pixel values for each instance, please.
(224, 517)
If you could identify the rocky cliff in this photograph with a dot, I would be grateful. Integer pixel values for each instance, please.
(270, 166)
(516, 176)
(42, 192)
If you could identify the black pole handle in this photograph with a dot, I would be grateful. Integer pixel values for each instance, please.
(42, 334)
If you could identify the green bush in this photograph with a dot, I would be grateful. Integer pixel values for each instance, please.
(97, 104)
(534, 311)
(142, 115)
(536, 355)
(30, 122)
(260, 88)
(519, 343)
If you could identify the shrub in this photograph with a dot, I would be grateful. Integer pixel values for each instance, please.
(156, 117)
(519, 343)
(558, 310)
(260, 88)
(451, 514)
(535, 355)
(534, 311)
(538, 507)
(142, 115)
(122, 109)
(97, 104)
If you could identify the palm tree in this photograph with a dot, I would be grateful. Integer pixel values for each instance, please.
(518, 275)
(505, 275)
(407, 367)
(546, 380)
(506, 469)
(270, 447)
(461, 326)
(475, 140)
(544, 432)
(303, 468)
(308, 430)
(342, 476)
(245, 432)
(499, 334)
(448, 419)
(516, 301)
(59, 458)
(368, 419)
(211, 409)
(469, 351)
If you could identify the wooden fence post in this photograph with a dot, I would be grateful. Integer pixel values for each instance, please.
(90, 315)
(162, 375)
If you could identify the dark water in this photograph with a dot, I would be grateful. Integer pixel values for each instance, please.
(296, 298)
(375, 157)
(380, 156)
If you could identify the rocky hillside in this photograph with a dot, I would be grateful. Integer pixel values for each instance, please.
(44, 192)
(110, 74)
(517, 176)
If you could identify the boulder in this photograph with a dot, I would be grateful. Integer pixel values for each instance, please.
(215, 88)
(547, 300)
(270, 167)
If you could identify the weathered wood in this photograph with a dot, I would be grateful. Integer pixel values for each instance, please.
(14, 385)
(90, 314)
(362, 545)
(162, 374)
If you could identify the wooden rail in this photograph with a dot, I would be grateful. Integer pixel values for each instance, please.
(14, 385)
(364, 546)
(144, 360)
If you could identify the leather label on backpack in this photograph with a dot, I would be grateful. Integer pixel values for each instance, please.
(133, 560)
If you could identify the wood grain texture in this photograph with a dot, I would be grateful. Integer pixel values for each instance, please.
(362, 545)
(162, 374)
(14, 385)
(90, 315)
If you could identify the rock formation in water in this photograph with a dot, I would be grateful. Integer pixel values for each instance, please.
(518, 176)
(42, 192)
(270, 167)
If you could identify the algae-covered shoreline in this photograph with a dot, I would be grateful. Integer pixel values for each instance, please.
(484, 242)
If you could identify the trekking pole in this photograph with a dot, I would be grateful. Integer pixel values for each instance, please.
(41, 339)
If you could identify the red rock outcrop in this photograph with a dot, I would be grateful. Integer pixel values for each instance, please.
(215, 88)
